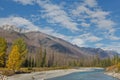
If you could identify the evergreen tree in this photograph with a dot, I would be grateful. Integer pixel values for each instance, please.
(26, 63)
(51, 60)
(29, 61)
(3, 48)
(44, 59)
(39, 58)
(116, 59)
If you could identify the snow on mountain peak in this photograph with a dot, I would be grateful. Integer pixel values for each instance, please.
(17, 29)
(18, 24)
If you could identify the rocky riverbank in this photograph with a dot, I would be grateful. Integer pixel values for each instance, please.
(2, 77)
(113, 74)
(47, 74)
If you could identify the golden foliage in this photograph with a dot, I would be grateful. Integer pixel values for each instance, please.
(3, 47)
(14, 59)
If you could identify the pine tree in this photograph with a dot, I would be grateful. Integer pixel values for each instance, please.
(3, 47)
(14, 61)
(44, 59)
(39, 58)
(26, 63)
(51, 60)
(29, 61)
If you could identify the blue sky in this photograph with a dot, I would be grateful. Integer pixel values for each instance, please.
(86, 23)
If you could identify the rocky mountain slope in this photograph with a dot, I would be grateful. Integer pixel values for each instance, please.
(36, 39)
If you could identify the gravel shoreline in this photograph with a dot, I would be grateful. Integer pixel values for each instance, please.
(113, 74)
(48, 74)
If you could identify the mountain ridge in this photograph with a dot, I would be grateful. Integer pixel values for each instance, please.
(35, 39)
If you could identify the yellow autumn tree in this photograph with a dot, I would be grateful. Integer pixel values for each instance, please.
(22, 48)
(3, 48)
(14, 61)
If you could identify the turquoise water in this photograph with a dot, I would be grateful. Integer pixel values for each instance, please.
(90, 75)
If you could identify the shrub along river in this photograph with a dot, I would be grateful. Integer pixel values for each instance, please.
(96, 74)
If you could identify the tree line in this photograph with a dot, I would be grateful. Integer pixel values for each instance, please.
(18, 56)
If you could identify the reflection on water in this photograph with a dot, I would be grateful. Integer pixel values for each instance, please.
(91, 75)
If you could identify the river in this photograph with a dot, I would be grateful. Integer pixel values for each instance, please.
(96, 74)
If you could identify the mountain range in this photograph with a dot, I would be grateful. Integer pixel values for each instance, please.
(37, 39)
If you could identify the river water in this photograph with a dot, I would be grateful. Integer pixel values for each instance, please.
(90, 75)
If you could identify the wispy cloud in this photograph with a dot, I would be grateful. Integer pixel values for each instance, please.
(91, 3)
(53, 13)
(90, 37)
(25, 2)
(85, 24)
(83, 39)
(88, 13)
(95, 15)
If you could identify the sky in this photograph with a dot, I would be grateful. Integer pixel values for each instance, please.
(85, 23)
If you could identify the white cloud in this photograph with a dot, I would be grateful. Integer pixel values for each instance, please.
(89, 37)
(19, 22)
(53, 13)
(25, 2)
(99, 14)
(95, 15)
(77, 41)
(81, 12)
(85, 24)
(104, 24)
(83, 39)
(91, 3)
(90, 11)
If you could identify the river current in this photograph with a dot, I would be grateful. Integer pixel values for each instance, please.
(90, 75)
